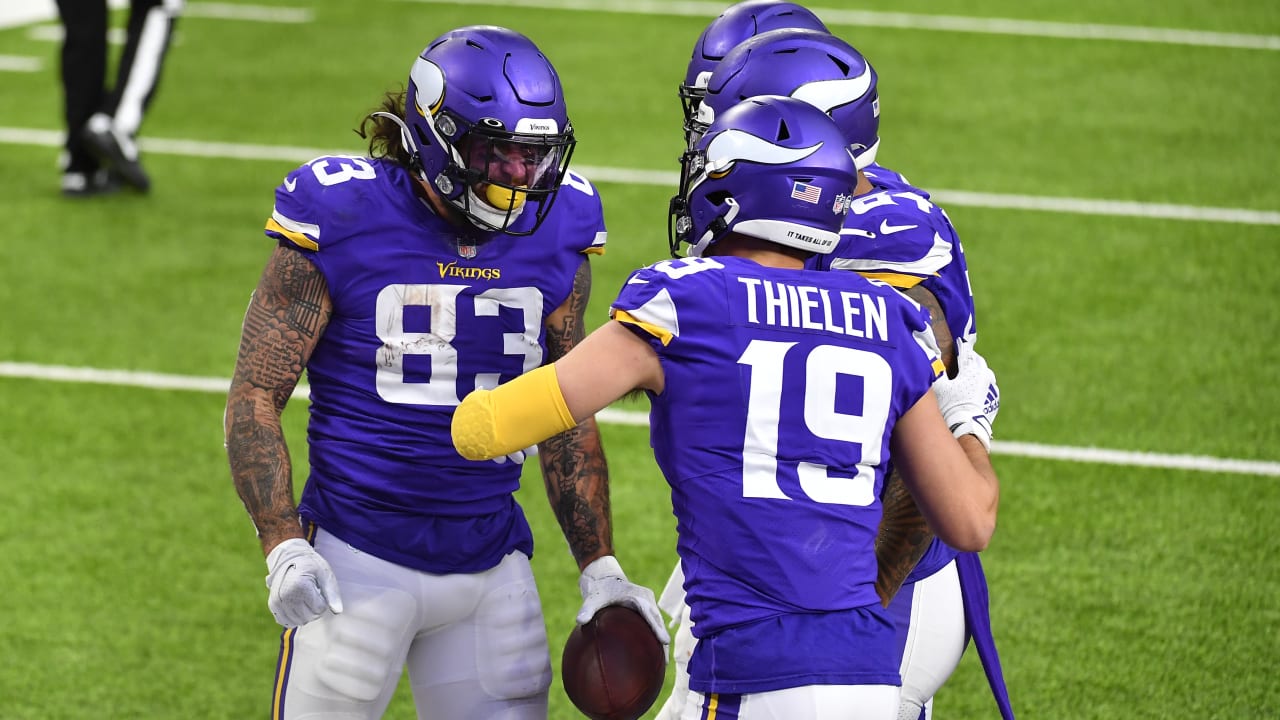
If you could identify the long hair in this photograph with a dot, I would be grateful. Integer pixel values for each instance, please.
(383, 134)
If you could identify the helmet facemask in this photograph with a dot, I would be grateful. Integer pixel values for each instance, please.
(692, 162)
(501, 173)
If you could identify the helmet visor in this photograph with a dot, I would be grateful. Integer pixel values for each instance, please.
(524, 163)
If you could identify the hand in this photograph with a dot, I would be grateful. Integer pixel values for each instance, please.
(603, 583)
(969, 401)
(518, 457)
(302, 585)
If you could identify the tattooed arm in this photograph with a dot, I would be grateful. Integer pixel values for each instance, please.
(573, 464)
(287, 314)
(904, 535)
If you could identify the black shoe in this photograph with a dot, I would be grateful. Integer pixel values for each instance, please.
(111, 149)
(81, 184)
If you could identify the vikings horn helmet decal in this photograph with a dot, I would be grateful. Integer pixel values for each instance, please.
(773, 168)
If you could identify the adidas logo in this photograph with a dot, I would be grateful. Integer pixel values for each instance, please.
(993, 400)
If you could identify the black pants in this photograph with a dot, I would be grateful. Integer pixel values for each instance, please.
(84, 68)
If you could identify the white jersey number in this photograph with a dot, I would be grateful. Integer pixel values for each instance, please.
(339, 169)
(822, 366)
(437, 342)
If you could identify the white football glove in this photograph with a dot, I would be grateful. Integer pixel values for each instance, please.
(969, 401)
(603, 583)
(518, 457)
(301, 584)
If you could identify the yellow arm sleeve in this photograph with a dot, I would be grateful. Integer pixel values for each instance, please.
(513, 416)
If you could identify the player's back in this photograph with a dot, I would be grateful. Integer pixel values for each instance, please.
(782, 388)
(781, 391)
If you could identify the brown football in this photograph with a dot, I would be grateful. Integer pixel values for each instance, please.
(613, 667)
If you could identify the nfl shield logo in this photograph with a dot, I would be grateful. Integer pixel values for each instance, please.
(466, 251)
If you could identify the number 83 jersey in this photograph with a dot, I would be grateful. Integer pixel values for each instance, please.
(421, 317)
(782, 388)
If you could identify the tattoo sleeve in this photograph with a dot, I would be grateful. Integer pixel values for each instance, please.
(904, 535)
(573, 463)
(288, 312)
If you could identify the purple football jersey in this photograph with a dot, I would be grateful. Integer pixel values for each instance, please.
(782, 390)
(422, 315)
(895, 234)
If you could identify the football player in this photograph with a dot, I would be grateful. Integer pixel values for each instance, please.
(895, 234)
(739, 22)
(779, 395)
(454, 257)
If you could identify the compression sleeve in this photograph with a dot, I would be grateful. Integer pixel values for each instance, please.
(513, 416)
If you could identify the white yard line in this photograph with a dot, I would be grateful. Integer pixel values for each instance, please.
(668, 179)
(915, 21)
(20, 63)
(53, 34)
(18, 13)
(162, 381)
(249, 13)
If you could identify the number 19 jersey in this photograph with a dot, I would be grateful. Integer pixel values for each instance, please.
(782, 388)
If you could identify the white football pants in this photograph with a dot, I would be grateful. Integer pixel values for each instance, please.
(935, 641)
(475, 645)
(811, 702)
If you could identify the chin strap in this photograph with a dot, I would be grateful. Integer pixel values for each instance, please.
(716, 228)
(406, 139)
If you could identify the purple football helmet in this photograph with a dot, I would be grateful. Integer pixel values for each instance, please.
(773, 168)
(740, 22)
(816, 67)
(485, 113)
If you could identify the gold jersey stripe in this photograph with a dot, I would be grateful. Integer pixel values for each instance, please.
(661, 333)
(898, 280)
(294, 237)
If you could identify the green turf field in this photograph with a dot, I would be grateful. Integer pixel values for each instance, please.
(132, 581)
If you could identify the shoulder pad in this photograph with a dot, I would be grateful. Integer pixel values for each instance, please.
(579, 204)
(648, 300)
(898, 237)
(307, 193)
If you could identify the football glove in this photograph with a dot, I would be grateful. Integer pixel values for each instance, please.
(969, 401)
(301, 584)
(603, 583)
